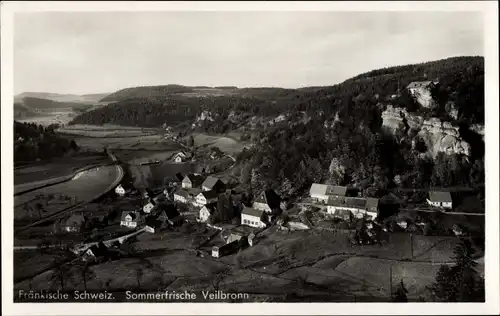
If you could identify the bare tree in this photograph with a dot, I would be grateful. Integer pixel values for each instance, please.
(60, 273)
(85, 273)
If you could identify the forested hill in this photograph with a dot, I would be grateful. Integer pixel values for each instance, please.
(33, 142)
(461, 81)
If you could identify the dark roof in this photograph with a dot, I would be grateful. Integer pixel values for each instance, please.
(134, 215)
(440, 196)
(354, 202)
(270, 198)
(76, 218)
(168, 211)
(196, 179)
(153, 222)
(210, 194)
(99, 250)
(252, 212)
(210, 182)
(179, 176)
(212, 207)
(182, 193)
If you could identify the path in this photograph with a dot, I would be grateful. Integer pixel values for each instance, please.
(68, 209)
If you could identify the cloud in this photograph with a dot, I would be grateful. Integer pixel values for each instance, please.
(105, 51)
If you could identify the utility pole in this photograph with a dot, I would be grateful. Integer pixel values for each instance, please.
(411, 245)
(390, 279)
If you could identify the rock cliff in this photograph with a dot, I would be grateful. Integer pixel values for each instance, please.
(438, 136)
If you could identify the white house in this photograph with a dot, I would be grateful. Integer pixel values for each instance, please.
(440, 199)
(149, 206)
(192, 181)
(179, 157)
(130, 219)
(206, 211)
(181, 196)
(206, 197)
(322, 192)
(359, 207)
(252, 217)
(267, 201)
(120, 190)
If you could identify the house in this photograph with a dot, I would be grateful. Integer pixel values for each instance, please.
(123, 189)
(206, 197)
(345, 215)
(440, 199)
(322, 192)
(146, 193)
(252, 217)
(149, 206)
(206, 211)
(95, 251)
(359, 207)
(192, 181)
(130, 219)
(213, 183)
(153, 225)
(267, 201)
(179, 176)
(224, 250)
(75, 222)
(169, 215)
(181, 196)
(179, 157)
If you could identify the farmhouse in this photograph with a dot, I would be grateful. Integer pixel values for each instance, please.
(192, 181)
(149, 206)
(267, 201)
(213, 183)
(95, 251)
(170, 215)
(123, 189)
(252, 217)
(359, 207)
(181, 196)
(153, 225)
(75, 222)
(179, 157)
(130, 219)
(206, 197)
(206, 211)
(322, 192)
(440, 199)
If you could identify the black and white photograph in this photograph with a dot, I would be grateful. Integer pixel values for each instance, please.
(272, 153)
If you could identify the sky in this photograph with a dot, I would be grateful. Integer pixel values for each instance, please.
(100, 52)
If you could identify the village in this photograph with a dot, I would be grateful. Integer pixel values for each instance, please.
(207, 200)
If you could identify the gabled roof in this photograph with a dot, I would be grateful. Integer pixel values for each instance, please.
(252, 212)
(168, 212)
(133, 214)
(210, 194)
(325, 189)
(440, 196)
(354, 202)
(76, 218)
(179, 176)
(182, 193)
(153, 222)
(195, 179)
(210, 182)
(269, 197)
(212, 207)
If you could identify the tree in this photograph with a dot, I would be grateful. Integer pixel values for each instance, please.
(190, 141)
(461, 282)
(85, 273)
(61, 273)
(400, 295)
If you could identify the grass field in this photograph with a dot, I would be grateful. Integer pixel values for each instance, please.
(226, 144)
(87, 185)
(57, 167)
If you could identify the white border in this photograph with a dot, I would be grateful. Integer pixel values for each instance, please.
(490, 10)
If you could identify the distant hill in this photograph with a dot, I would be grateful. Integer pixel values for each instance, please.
(461, 81)
(85, 98)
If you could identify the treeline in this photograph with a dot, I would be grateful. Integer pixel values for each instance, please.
(34, 142)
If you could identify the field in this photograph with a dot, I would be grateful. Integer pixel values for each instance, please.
(226, 144)
(106, 131)
(84, 186)
(56, 168)
(47, 119)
